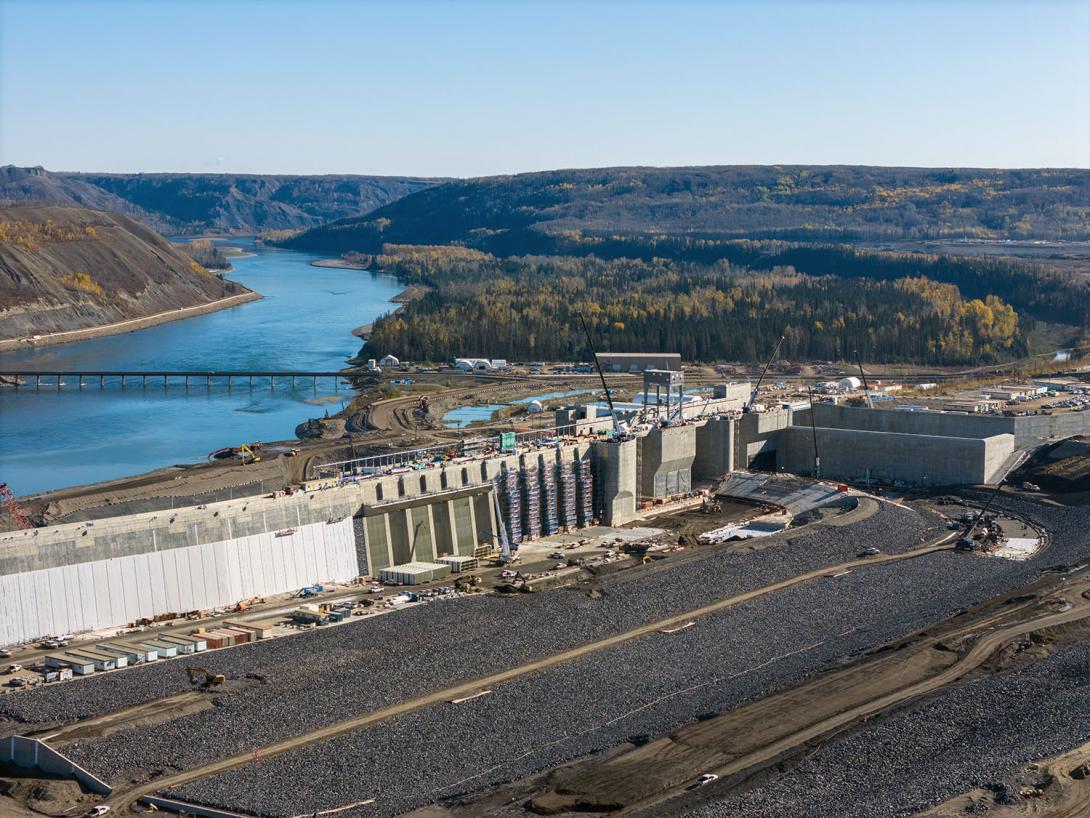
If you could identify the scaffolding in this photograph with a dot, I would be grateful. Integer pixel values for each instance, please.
(585, 483)
(511, 502)
(550, 521)
(531, 508)
(567, 495)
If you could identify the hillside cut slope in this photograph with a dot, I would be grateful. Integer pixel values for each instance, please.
(66, 268)
(540, 212)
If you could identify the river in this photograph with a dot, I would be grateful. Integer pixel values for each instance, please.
(54, 439)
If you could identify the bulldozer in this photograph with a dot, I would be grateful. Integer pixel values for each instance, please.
(201, 676)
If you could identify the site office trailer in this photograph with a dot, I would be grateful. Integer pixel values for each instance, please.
(79, 666)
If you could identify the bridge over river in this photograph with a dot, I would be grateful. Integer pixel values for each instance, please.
(79, 378)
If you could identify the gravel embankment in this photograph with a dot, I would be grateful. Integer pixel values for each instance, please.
(975, 735)
(329, 675)
(645, 687)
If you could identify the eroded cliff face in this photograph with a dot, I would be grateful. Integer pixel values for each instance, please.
(67, 268)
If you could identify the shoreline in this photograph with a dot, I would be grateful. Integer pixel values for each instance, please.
(129, 325)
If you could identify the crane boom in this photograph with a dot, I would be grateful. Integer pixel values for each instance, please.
(863, 375)
(617, 430)
(753, 396)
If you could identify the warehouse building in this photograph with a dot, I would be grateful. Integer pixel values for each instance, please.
(639, 361)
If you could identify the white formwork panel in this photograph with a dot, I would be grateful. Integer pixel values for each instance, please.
(88, 598)
(157, 587)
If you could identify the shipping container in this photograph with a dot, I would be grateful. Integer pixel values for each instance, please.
(241, 636)
(164, 649)
(256, 631)
(197, 642)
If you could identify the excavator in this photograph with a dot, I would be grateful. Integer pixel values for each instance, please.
(201, 676)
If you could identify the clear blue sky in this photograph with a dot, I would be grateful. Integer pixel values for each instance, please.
(477, 88)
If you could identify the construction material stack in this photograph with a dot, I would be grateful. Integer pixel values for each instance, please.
(531, 493)
(567, 495)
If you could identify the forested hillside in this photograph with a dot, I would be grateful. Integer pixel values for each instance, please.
(188, 204)
(65, 268)
(536, 212)
(527, 307)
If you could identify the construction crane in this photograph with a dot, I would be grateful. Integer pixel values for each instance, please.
(202, 676)
(505, 544)
(620, 430)
(813, 428)
(753, 396)
(863, 376)
(14, 509)
(967, 540)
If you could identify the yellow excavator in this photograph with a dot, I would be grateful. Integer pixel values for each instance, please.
(201, 676)
(244, 450)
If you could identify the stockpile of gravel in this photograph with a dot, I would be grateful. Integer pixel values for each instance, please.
(975, 735)
(646, 687)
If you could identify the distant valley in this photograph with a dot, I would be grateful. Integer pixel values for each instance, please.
(194, 204)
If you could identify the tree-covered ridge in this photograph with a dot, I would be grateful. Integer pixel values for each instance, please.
(526, 307)
(530, 213)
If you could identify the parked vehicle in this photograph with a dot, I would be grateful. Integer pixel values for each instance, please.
(869, 551)
(13, 669)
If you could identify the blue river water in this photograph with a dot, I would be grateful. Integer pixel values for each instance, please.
(58, 438)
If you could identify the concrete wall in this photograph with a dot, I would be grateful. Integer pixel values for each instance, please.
(29, 753)
(1028, 430)
(714, 449)
(665, 461)
(886, 456)
(79, 596)
(617, 480)
(936, 424)
(82, 576)
(757, 433)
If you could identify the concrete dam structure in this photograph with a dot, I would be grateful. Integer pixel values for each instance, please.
(109, 572)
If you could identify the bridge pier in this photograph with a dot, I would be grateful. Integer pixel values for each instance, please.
(314, 383)
(37, 381)
(251, 382)
(122, 381)
(186, 381)
(81, 382)
(164, 382)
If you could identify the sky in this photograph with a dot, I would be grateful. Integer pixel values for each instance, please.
(482, 88)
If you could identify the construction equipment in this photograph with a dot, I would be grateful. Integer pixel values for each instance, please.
(201, 676)
(14, 509)
(620, 430)
(245, 604)
(813, 428)
(863, 377)
(505, 544)
(244, 450)
(309, 591)
(753, 396)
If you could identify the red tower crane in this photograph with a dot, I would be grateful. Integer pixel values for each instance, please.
(14, 509)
